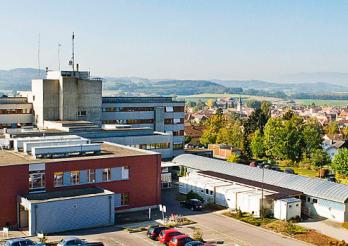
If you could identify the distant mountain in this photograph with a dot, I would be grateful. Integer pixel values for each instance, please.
(289, 88)
(331, 77)
(18, 79)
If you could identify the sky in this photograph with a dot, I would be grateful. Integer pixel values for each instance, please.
(186, 39)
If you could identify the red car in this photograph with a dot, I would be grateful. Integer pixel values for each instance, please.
(166, 235)
(180, 240)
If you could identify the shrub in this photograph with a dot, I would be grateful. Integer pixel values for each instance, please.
(197, 234)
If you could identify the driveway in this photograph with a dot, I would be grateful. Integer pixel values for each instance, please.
(327, 227)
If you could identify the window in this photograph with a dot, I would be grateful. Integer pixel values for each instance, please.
(169, 109)
(37, 180)
(315, 200)
(290, 206)
(308, 199)
(125, 173)
(106, 174)
(75, 177)
(91, 175)
(211, 192)
(178, 146)
(124, 199)
(296, 205)
(82, 113)
(206, 191)
(58, 179)
(168, 121)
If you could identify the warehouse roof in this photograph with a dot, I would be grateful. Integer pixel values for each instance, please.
(280, 192)
(310, 186)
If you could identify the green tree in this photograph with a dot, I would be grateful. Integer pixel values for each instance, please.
(319, 158)
(283, 138)
(213, 126)
(340, 162)
(231, 135)
(332, 128)
(233, 158)
(312, 133)
(253, 104)
(257, 145)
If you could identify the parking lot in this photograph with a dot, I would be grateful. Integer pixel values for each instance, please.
(214, 226)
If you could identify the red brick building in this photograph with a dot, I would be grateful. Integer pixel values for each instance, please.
(133, 176)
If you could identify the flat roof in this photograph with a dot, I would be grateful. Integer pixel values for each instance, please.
(108, 150)
(280, 192)
(65, 194)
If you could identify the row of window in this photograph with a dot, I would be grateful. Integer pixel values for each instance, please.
(153, 146)
(74, 176)
(37, 179)
(139, 109)
(16, 111)
(178, 133)
(136, 121)
(177, 146)
(171, 121)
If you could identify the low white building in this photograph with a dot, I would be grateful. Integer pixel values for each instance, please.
(319, 197)
(287, 208)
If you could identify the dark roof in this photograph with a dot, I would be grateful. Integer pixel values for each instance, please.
(280, 192)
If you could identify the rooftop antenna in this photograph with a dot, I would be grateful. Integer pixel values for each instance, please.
(59, 45)
(72, 61)
(38, 55)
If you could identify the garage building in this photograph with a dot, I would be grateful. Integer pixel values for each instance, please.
(319, 197)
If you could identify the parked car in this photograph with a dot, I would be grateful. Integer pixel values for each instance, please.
(166, 235)
(180, 240)
(154, 231)
(198, 243)
(22, 242)
(72, 241)
(289, 171)
(193, 204)
(276, 168)
(331, 178)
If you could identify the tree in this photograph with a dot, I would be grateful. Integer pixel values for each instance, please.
(213, 126)
(345, 132)
(312, 136)
(332, 128)
(233, 158)
(319, 158)
(283, 138)
(257, 145)
(231, 135)
(253, 104)
(210, 103)
(340, 162)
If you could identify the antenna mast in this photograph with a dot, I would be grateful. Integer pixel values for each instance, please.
(72, 61)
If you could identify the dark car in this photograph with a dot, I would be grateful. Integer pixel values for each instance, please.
(276, 168)
(198, 243)
(289, 171)
(154, 231)
(331, 179)
(193, 204)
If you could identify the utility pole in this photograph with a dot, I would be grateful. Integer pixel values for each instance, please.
(59, 45)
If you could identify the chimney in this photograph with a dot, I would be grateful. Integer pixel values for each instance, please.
(77, 67)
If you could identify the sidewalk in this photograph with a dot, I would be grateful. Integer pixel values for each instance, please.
(327, 227)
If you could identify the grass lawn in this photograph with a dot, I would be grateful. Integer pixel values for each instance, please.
(303, 171)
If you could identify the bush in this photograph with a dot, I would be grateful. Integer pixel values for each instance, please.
(197, 235)
(345, 225)
(194, 195)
